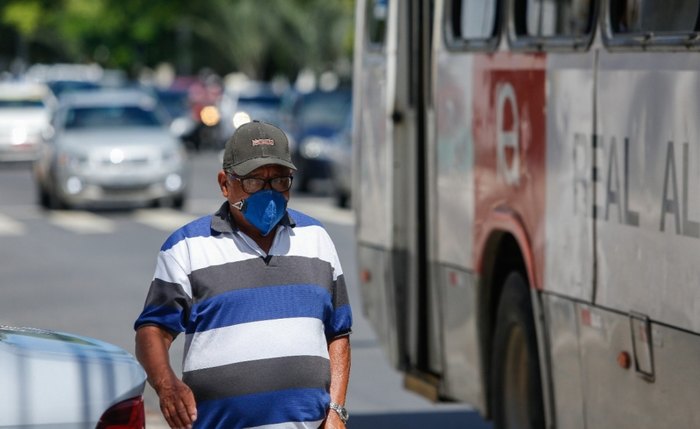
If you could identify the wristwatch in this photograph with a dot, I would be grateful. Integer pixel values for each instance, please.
(341, 411)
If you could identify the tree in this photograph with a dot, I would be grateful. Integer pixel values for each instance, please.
(261, 38)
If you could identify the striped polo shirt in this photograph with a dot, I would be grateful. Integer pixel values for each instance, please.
(257, 325)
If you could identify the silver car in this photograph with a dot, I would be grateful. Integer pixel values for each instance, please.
(25, 111)
(57, 380)
(111, 148)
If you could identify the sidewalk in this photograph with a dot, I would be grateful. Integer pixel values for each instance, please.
(155, 420)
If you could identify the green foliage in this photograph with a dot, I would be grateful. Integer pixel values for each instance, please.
(259, 37)
(24, 16)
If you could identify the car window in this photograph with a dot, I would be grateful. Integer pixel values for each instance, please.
(14, 104)
(328, 110)
(176, 103)
(120, 116)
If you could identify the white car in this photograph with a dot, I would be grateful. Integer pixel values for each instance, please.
(111, 148)
(25, 112)
(58, 380)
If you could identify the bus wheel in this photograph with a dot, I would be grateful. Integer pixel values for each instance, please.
(517, 386)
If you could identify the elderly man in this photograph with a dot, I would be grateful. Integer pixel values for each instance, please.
(260, 295)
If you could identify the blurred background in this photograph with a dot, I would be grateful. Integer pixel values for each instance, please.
(113, 116)
(211, 64)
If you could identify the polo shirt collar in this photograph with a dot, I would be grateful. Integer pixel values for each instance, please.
(222, 221)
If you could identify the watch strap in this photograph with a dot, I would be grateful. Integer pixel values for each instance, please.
(340, 410)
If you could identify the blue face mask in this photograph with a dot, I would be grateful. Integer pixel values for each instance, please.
(263, 209)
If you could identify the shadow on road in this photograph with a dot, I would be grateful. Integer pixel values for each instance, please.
(425, 420)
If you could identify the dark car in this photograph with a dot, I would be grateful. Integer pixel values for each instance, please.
(316, 119)
(254, 101)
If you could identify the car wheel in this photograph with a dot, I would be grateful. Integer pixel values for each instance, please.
(43, 197)
(304, 183)
(55, 202)
(517, 386)
(342, 199)
(178, 202)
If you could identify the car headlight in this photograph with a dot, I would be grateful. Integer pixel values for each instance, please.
(72, 160)
(73, 185)
(173, 182)
(172, 155)
(19, 136)
(240, 118)
(314, 147)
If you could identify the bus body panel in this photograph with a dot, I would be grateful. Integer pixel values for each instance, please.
(461, 375)
(450, 155)
(386, 162)
(569, 251)
(649, 152)
(372, 161)
(619, 397)
(566, 367)
(453, 152)
(509, 155)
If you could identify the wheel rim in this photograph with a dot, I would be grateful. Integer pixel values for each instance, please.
(516, 381)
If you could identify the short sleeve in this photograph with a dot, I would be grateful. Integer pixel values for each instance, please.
(169, 299)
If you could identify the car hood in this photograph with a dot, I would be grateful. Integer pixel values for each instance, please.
(56, 378)
(11, 118)
(122, 137)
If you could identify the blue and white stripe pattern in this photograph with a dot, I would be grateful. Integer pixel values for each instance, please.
(257, 329)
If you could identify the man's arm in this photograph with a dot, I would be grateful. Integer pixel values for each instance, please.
(176, 399)
(339, 353)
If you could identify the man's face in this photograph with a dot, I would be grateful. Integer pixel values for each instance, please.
(232, 188)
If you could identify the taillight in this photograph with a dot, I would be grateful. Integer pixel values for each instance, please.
(127, 414)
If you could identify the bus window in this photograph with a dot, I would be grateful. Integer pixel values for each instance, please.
(473, 19)
(376, 13)
(653, 16)
(553, 18)
(471, 24)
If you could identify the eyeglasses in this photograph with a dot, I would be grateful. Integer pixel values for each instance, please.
(252, 185)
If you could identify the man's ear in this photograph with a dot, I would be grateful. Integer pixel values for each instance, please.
(222, 179)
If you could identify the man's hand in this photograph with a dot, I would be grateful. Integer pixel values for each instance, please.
(177, 403)
(332, 421)
(176, 399)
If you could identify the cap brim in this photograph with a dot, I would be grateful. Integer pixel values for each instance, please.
(244, 168)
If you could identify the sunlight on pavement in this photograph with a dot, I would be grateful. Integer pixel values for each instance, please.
(155, 420)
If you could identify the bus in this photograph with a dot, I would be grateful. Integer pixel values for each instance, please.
(527, 222)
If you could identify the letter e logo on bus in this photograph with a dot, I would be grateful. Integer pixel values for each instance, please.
(508, 157)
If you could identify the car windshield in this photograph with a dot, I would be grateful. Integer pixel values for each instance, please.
(20, 103)
(264, 108)
(175, 102)
(113, 116)
(63, 87)
(324, 110)
(263, 101)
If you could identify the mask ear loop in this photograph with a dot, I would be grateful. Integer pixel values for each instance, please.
(239, 205)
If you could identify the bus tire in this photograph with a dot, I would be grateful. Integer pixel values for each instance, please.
(516, 383)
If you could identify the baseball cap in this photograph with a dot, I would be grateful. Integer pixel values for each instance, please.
(255, 144)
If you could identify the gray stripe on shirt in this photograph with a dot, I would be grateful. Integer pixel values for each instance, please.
(168, 294)
(264, 375)
(282, 270)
